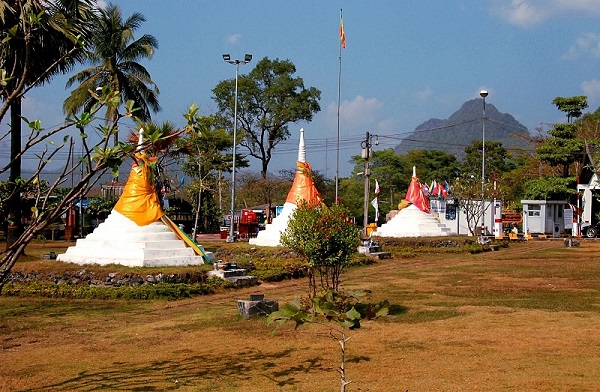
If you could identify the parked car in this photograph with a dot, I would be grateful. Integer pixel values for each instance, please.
(591, 231)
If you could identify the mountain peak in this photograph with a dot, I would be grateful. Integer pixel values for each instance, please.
(463, 127)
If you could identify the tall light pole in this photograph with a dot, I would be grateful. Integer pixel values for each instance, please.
(246, 60)
(483, 94)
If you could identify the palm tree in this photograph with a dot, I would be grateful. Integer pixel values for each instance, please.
(114, 56)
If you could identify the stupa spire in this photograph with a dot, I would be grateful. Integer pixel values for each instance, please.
(301, 147)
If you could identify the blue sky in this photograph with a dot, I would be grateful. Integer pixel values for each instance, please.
(405, 62)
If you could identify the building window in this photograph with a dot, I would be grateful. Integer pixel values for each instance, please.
(534, 210)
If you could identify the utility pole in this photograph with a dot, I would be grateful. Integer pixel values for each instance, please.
(366, 155)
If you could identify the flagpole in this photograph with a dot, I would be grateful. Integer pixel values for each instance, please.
(337, 156)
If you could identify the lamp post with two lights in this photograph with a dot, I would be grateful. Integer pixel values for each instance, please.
(246, 60)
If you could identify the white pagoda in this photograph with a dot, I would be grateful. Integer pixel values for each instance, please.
(414, 218)
(137, 233)
(303, 189)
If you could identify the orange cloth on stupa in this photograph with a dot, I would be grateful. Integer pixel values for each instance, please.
(139, 201)
(303, 187)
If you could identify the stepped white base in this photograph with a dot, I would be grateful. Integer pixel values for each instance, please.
(271, 236)
(412, 222)
(119, 240)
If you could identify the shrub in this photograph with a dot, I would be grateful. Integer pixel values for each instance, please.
(326, 238)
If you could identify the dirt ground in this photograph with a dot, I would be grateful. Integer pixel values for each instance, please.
(524, 318)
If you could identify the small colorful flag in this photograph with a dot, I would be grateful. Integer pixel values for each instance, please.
(377, 190)
(434, 188)
(442, 190)
(342, 33)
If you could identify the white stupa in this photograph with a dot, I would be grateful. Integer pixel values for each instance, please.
(137, 233)
(303, 188)
(119, 240)
(414, 220)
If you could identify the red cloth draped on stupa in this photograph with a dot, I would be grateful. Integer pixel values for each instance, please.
(415, 196)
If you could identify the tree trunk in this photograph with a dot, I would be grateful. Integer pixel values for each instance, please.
(266, 194)
(14, 201)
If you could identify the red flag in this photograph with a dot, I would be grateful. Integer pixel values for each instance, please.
(440, 190)
(444, 191)
(342, 34)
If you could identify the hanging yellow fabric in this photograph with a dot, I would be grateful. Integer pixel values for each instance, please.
(139, 201)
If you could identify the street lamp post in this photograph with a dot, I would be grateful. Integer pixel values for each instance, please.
(483, 94)
(247, 59)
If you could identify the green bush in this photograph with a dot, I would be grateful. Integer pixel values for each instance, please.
(326, 239)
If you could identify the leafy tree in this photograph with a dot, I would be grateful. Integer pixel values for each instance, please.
(431, 165)
(497, 159)
(563, 148)
(206, 144)
(511, 184)
(38, 39)
(467, 191)
(572, 106)
(351, 193)
(114, 55)
(550, 188)
(499, 164)
(252, 188)
(589, 129)
(387, 168)
(269, 99)
(326, 239)
(100, 207)
(96, 160)
(326, 187)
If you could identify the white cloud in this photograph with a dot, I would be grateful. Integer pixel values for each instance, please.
(519, 12)
(585, 43)
(591, 89)
(233, 38)
(526, 13)
(359, 112)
